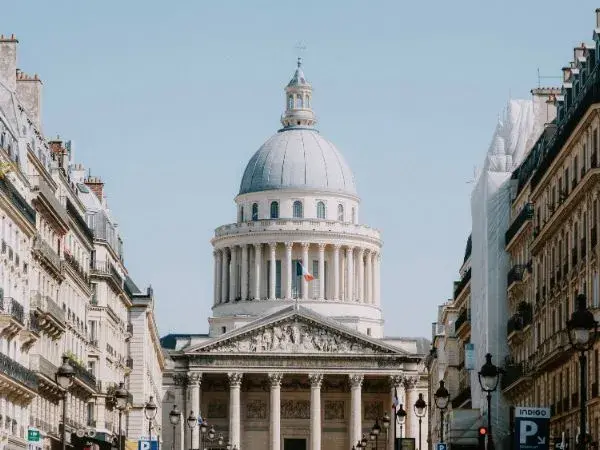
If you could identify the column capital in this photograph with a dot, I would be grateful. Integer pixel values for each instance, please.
(322, 247)
(257, 246)
(336, 247)
(275, 378)
(350, 248)
(315, 379)
(356, 380)
(361, 251)
(273, 246)
(235, 379)
(305, 245)
(179, 379)
(194, 378)
(288, 245)
(396, 381)
(410, 381)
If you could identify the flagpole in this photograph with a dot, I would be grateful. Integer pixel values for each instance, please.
(395, 417)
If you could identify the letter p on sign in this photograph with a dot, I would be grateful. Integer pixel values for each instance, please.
(528, 428)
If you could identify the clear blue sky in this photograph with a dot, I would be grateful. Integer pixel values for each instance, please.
(167, 101)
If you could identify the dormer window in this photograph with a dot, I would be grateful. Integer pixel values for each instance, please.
(274, 210)
(255, 211)
(298, 213)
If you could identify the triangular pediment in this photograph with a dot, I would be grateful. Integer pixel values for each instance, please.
(295, 331)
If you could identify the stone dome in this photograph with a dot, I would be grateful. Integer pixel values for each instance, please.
(298, 158)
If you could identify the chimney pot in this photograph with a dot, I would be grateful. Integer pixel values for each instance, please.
(597, 17)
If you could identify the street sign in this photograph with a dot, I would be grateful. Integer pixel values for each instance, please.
(532, 428)
(147, 445)
(404, 444)
(33, 435)
(441, 446)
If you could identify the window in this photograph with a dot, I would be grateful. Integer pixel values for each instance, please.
(308, 101)
(241, 214)
(291, 102)
(368, 332)
(274, 210)
(254, 211)
(299, 102)
(298, 209)
(353, 215)
(223, 330)
(341, 212)
(320, 210)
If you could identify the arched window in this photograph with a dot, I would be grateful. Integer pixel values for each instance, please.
(299, 102)
(290, 102)
(353, 215)
(298, 209)
(254, 211)
(320, 210)
(274, 210)
(341, 212)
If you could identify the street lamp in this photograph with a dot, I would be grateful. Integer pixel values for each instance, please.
(364, 441)
(375, 431)
(489, 376)
(121, 399)
(174, 418)
(401, 415)
(441, 397)
(420, 407)
(64, 378)
(192, 420)
(150, 410)
(583, 330)
(386, 421)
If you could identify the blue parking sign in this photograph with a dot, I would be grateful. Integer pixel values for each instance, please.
(147, 445)
(441, 446)
(532, 428)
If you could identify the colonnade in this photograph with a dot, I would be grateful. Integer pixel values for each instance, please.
(356, 425)
(342, 272)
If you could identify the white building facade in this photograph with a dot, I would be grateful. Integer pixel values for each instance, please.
(295, 357)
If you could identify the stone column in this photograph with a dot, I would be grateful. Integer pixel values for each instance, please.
(378, 277)
(180, 382)
(219, 265)
(257, 266)
(361, 276)
(233, 274)
(194, 380)
(224, 276)
(322, 271)
(396, 388)
(305, 246)
(244, 275)
(273, 270)
(350, 274)
(315, 410)
(289, 270)
(411, 426)
(275, 410)
(235, 383)
(355, 407)
(336, 272)
(368, 278)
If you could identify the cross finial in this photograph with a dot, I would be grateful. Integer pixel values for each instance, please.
(299, 61)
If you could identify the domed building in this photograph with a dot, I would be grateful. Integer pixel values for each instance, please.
(295, 357)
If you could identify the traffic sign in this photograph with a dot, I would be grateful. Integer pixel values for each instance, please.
(33, 435)
(147, 445)
(532, 426)
(441, 446)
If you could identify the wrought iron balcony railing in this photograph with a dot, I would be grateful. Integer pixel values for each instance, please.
(12, 308)
(17, 372)
(516, 274)
(524, 215)
(47, 252)
(462, 284)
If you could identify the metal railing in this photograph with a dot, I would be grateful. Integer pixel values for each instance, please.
(12, 308)
(40, 364)
(83, 374)
(72, 262)
(17, 200)
(105, 268)
(516, 274)
(17, 372)
(41, 186)
(48, 252)
(462, 284)
(524, 215)
(463, 317)
(47, 305)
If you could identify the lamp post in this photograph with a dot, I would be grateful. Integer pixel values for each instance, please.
(375, 431)
(401, 415)
(363, 442)
(150, 410)
(489, 376)
(174, 418)
(441, 397)
(64, 378)
(121, 399)
(192, 420)
(386, 421)
(420, 407)
(583, 330)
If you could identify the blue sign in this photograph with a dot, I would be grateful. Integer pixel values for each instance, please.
(470, 356)
(532, 428)
(441, 446)
(147, 445)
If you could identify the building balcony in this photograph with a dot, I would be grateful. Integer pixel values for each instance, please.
(83, 377)
(12, 317)
(72, 263)
(108, 271)
(52, 318)
(45, 199)
(48, 256)
(46, 376)
(552, 352)
(17, 382)
(17, 200)
(524, 217)
(460, 286)
(463, 322)
(31, 332)
(516, 378)
(516, 275)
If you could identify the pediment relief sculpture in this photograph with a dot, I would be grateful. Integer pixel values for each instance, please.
(294, 337)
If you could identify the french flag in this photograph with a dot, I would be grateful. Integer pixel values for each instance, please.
(301, 270)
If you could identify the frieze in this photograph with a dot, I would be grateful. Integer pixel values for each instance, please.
(217, 409)
(373, 410)
(295, 337)
(256, 409)
(334, 409)
(293, 362)
(295, 409)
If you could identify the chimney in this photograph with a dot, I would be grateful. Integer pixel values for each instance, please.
(56, 146)
(8, 61)
(96, 185)
(597, 17)
(566, 74)
(29, 93)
